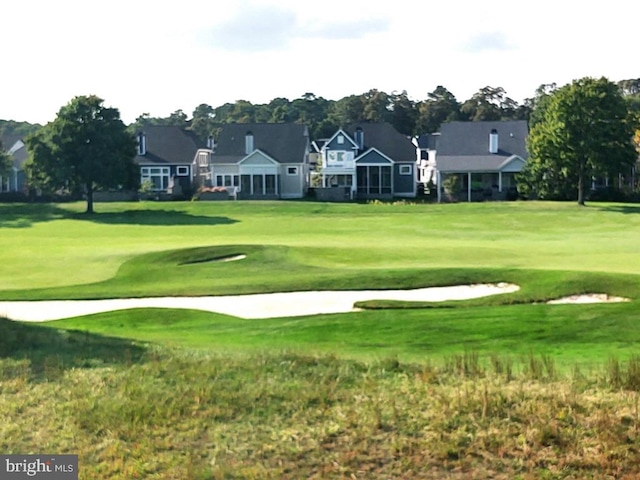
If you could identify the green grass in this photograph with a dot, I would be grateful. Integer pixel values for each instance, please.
(500, 387)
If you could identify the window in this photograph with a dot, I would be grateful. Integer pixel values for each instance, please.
(405, 170)
(340, 139)
(374, 180)
(182, 171)
(270, 184)
(339, 180)
(257, 184)
(292, 170)
(159, 176)
(227, 180)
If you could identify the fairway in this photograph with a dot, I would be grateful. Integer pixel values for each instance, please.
(147, 249)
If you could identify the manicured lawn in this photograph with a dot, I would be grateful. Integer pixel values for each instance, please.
(51, 246)
(152, 249)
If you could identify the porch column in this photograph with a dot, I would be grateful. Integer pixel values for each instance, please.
(500, 182)
(469, 187)
(438, 185)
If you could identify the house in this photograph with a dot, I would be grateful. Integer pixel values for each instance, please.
(366, 161)
(261, 160)
(479, 160)
(16, 179)
(165, 157)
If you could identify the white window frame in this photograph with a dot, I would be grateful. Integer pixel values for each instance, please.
(182, 171)
(148, 173)
(340, 139)
(292, 171)
(227, 180)
(406, 169)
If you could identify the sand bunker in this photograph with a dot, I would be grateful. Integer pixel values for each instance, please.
(250, 306)
(588, 298)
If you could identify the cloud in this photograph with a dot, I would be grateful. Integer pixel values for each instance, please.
(260, 28)
(253, 29)
(487, 41)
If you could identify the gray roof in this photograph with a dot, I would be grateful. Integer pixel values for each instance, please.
(21, 155)
(386, 139)
(168, 145)
(284, 142)
(464, 146)
(473, 163)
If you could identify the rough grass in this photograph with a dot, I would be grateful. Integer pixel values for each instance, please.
(184, 414)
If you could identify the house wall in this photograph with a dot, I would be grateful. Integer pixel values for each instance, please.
(292, 186)
(404, 185)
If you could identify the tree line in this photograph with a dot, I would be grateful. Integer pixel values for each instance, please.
(324, 116)
(577, 132)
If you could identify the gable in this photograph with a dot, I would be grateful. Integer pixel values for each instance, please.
(514, 164)
(257, 158)
(373, 157)
(340, 141)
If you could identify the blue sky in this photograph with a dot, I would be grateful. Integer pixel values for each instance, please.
(160, 56)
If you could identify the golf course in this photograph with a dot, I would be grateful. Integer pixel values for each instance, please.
(500, 386)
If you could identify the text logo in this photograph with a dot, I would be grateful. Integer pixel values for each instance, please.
(51, 467)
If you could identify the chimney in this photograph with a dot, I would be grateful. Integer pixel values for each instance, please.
(142, 143)
(359, 138)
(493, 141)
(211, 143)
(248, 143)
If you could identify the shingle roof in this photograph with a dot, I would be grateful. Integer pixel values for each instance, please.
(386, 139)
(167, 145)
(464, 146)
(284, 142)
(472, 138)
(473, 163)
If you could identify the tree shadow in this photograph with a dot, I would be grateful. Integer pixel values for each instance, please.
(151, 217)
(626, 209)
(26, 215)
(50, 352)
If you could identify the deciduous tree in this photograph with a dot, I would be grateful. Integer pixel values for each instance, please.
(584, 129)
(85, 147)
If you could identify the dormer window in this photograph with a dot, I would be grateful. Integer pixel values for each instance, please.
(142, 143)
(248, 143)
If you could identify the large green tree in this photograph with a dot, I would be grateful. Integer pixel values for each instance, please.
(85, 147)
(582, 130)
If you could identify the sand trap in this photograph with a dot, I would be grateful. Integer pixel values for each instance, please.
(588, 298)
(249, 306)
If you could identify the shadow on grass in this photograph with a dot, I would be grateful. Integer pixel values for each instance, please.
(26, 215)
(50, 351)
(151, 217)
(626, 209)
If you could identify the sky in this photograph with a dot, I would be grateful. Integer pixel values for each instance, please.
(160, 56)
